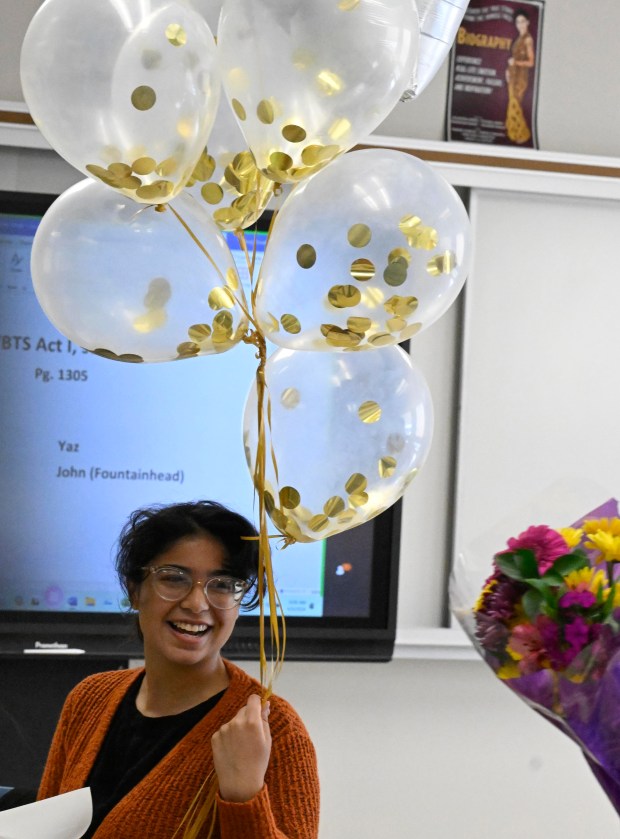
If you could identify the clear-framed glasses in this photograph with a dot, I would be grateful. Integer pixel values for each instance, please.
(173, 583)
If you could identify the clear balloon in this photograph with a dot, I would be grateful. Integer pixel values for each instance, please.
(226, 179)
(131, 284)
(309, 80)
(364, 254)
(126, 92)
(348, 432)
(439, 23)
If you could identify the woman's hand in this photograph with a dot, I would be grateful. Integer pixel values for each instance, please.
(241, 750)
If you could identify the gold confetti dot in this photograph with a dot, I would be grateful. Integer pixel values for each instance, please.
(144, 165)
(232, 279)
(158, 189)
(150, 321)
(381, 339)
(337, 337)
(188, 349)
(318, 523)
(334, 506)
(410, 331)
(409, 224)
(369, 412)
(294, 133)
(306, 256)
(442, 264)
(143, 98)
(280, 161)
(359, 325)
(425, 238)
(204, 168)
(227, 216)
(167, 166)
(265, 112)
(343, 296)
(238, 109)
(386, 466)
(329, 82)
(401, 306)
(129, 358)
(362, 270)
(290, 324)
(199, 333)
(399, 253)
(396, 324)
(396, 272)
(176, 35)
(356, 483)
(316, 154)
(358, 499)
(290, 398)
(289, 498)
(221, 298)
(212, 193)
(339, 129)
(348, 5)
(359, 235)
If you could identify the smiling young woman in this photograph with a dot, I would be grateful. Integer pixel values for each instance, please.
(144, 740)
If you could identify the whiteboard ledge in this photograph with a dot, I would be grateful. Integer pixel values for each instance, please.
(430, 643)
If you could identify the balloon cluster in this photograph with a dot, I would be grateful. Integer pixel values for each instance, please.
(368, 248)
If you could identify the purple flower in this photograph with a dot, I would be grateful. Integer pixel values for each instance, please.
(545, 543)
(579, 599)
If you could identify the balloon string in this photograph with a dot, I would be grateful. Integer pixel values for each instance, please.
(204, 804)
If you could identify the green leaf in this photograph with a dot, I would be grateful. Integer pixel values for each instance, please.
(526, 563)
(507, 565)
(552, 578)
(569, 562)
(532, 602)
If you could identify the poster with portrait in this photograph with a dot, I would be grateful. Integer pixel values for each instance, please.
(494, 74)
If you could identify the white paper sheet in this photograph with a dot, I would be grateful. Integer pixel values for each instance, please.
(65, 816)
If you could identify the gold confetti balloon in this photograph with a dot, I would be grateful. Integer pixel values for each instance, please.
(363, 255)
(130, 284)
(126, 92)
(309, 80)
(348, 432)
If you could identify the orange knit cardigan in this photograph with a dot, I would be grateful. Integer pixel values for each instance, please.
(286, 808)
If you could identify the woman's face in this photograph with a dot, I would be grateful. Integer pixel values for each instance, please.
(522, 24)
(189, 631)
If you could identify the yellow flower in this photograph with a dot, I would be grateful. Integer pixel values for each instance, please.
(611, 526)
(607, 544)
(587, 579)
(488, 588)
(571, 535)
(509, 671)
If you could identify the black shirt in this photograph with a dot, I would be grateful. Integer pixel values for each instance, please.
(133, 745)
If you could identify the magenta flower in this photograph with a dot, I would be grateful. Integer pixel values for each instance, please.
(579, 599)
(545, 543)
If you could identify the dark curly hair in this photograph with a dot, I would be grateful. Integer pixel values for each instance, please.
(150, 531)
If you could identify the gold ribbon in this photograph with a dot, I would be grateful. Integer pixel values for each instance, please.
(204, 804)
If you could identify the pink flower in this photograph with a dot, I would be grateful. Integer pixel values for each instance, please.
(526, 644)
(545, 543)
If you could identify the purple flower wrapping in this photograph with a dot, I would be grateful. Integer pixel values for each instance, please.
(548, 624)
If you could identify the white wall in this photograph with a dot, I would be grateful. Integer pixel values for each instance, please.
(433, 749)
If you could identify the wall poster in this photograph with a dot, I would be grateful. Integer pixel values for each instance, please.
(494, 70)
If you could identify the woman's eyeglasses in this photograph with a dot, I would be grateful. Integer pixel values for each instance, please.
(172, 583)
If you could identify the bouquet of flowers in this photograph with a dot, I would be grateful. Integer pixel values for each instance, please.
(547, 621)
